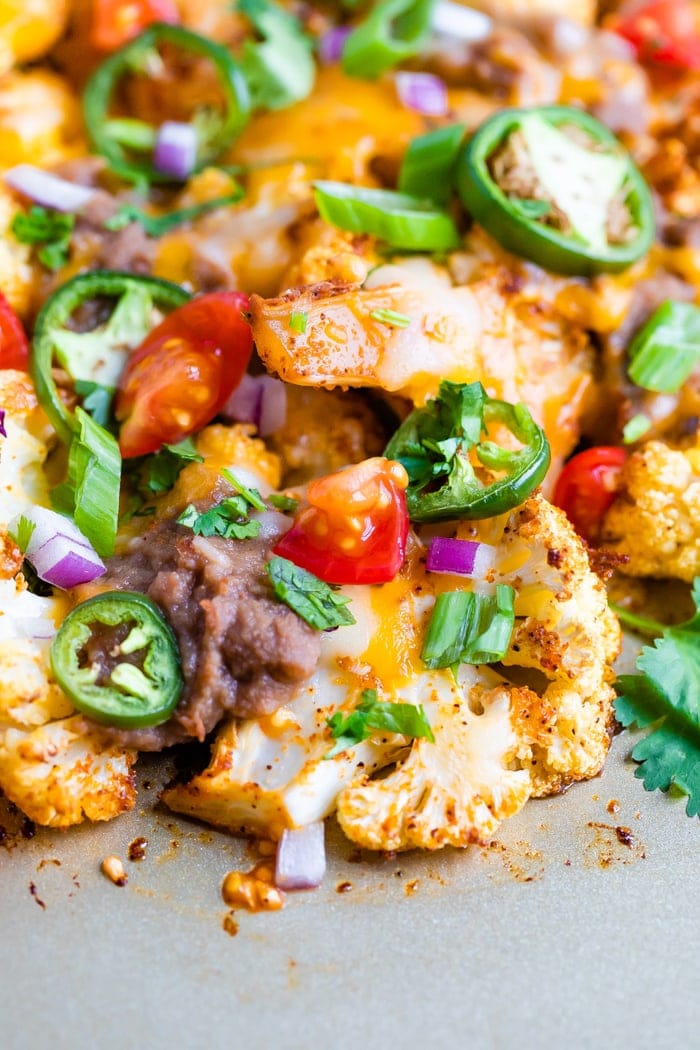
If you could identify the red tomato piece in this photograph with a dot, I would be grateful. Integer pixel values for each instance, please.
(114, 22)
(662, 31)
(355, 527)
(586, 487)
(14, 348)
(183, 372)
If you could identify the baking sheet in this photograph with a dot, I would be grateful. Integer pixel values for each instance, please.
(564, 932)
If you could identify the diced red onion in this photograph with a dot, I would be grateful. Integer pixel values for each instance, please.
(175, 151)
(272, 413)
(423, 92)
(49, 190)
(460, 557)
(331, 44)
(3, 432)
(59, 551)
(461, 23)
(261, 400)
(301, 858)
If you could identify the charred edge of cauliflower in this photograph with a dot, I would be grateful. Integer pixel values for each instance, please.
(655, 519)
(527, 728)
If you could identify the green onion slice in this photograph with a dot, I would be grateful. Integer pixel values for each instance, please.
(393, 31)
(428, 167)
(469, 628)
(666, 350)
(399, 219)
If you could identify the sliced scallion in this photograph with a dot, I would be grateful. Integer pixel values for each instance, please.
(391, 317)
(468, 628)
(666, 350)
(427, 169)
(399, 219)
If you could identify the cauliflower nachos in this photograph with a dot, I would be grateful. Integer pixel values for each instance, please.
(349, 364)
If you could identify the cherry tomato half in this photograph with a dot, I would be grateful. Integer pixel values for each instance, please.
(114, 22)
(587, 485)
(662, 31)
(183, 372)
(355, 526)
(14, 348)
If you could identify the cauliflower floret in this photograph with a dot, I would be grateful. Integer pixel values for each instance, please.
(52, 766)
(39, 119)
(525, 728)
(28, 28)
(512, 739)
(61, 772)
(654, 519)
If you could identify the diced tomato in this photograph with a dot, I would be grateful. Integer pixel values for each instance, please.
(587, 485)
(14, 348)
(355, 527)
(183, 372)
(114, 22)
(663, 31)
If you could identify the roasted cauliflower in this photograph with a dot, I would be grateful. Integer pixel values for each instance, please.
(655, 519)
(503, 734)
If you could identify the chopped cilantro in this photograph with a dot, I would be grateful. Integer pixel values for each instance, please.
(50, 231)
(228, 519)
(314, 600)
(97, 400)
(666, 697)
(280, 69)
(157, 225)
(284, 503)
(162, 469)
(370, 713)
(22, 532)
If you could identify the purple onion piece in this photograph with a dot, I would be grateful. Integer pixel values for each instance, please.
(3, 432)
(70, 570)
(175, 151)
(244, 403)
(301, 858)
(423, 92)
(331, 44)
(46, 189)
(460, 557)
(272, 408)
(48, 525)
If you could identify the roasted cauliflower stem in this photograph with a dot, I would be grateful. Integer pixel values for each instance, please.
(503, 734)
(655, 519)
(55, 769)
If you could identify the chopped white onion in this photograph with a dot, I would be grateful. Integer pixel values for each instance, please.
(49, 190)
(461, 557)
(273, 524)
(58, 550)
(36, 628)
(301, 858)
(423, 92)
(461, 23)
(175, 151)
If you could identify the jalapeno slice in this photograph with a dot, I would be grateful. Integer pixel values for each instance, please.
(120, 141)
(54, 341)
(117, 659)
(591, 210)
(440, 445)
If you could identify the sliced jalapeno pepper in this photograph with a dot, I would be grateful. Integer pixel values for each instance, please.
(111, 137)
(117, 659)
(566, 196)
(437, 444)
(106, 348)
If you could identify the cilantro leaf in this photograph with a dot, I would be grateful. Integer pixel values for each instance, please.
(162, 469)
(50, 231)
(280, 69)
(22, 532)
(314, 600)
(157, 225)
(97, 400)
(229, 519)
(371, 713)
(666, 697)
